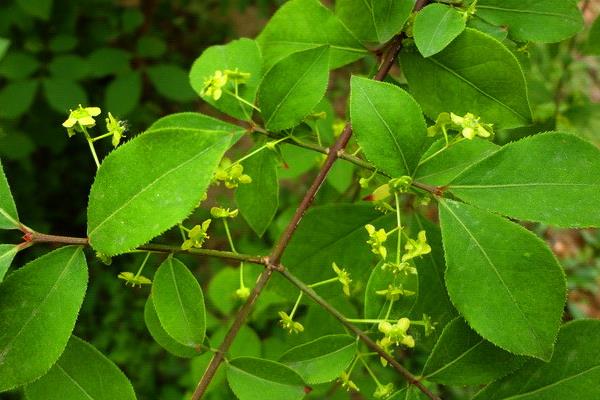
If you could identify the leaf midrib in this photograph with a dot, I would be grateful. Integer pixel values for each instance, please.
(183, 311)
(77, 385)
(533, 12)
(457, 359)
(433, 37)
(510, 185)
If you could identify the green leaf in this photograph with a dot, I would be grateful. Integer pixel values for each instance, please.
(37, 8)
(62, 43)
(458, 80)
(16, 98)
(82, 372)
(151, 47)
(305, 24)
(4, 45)
(572, 373)
(497, 32)
(242, 54)
(376, 305)
(64, 94)
(69, 67)
(551, 177)
(179, 303)
(246, 343)
(435, 27)
(7, 253)
(462, 357)
(38, 308)
(123, 93)
(388, 124)
(441, 169)
(108, 61)
(321, 360)
(171, 81)
(545, 21)
(257, 379)
(18, 65)
(334, 233)
(161, 336)
(293, 87)
(592, 46)
(374, 21)
(9, 219)
(503, 279)
(132, 199)
(258, 201)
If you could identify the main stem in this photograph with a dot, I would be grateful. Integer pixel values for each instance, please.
(275, 257)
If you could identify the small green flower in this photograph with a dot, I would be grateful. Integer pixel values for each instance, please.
(242, 293)
(218, 212)
(394, 293)
(416, 248)
(428, 325)
(347, 382)
(383, 391)
(213, 85)
(401, 184)
(232, 175)
(471, 127)
(133, 280)
(196, 236)
(397, 268)
(441, 125)
(343, 277)
(81, 118)
(116, 128)
(376, 240)
(396, 333)
(288, 323)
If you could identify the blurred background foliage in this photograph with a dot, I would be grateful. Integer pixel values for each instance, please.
(132, 57)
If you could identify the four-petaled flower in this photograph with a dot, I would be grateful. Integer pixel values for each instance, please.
(376, 240)
(416, 248)
(347, 382)
(471, 126)
(288, 323)
(196, 236)
(81, 118)
(343, 277)
(396, 333)
(218, 212)
(231, 174)
(134, 280)
(116, 128)
(213, 85)
(393, 293)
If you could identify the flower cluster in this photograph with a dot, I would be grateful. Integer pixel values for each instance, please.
(288, 323)
(376, 239)
(196, 236)
(232, 175)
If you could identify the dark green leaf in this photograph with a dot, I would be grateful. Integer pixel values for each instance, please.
(16, 98)
(132, 199)
(62, 43)
(458, 80)
(293, 87)
(572, 373)
(305, 24)
(258, 379)
(388, 125)
(108, 61)
(540, 21)
(123, 94)
(64, 94)
(242, 54)
(37, 8)
(161, 336)
(503, 279)
(9, 219)
(17, 65)
(38, 308)
(179, 303)
(4, 45)
(592, 45)
(258, 200)
(441, 169)
(151, 47)
(82, 372)
(551, 177)
(69, 66)
(171, 81)
(435, 27)
(374, 21)
(321, 360)
(462, 357)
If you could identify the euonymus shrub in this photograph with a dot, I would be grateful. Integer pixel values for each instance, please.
(476, 301)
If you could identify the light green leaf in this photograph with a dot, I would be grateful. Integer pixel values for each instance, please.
(171, 81)
(4, 45)
(258, 200)
(462, 357)
(376, 305)
(133, 197)
(64, 94)
(592, 46)
(69, 66)
(258, 379)
(435, 27)
(246, 343)
(9, 219)
(374, 21)
(293, 87)
(82, 373)
(242, 54)
(551, 178)
(458, 80)
(16, 98)
(179, 303)
(545, 21)
(305, 24)
(161, 336)
(37, 8)
(497, 32)
(321, 360)
(441, 169)
(503, 279)
(38, 308)
(7, 253)
(388, 124)
(572, 373)
(18, 65)
(123, 94)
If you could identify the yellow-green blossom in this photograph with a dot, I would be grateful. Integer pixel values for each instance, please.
(80, 118)
(376, 240)
(396, 333)
(213, 85)
(471, 127)
(133, 280)
(196, 236)
(288, 323)
(343, 277)
(218, 212)
(242, 293)
(384, 391)
(416, 248)
(116, 128)
(231, 175)
(347, 382)
(394, 293)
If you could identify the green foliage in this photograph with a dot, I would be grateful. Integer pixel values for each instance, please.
(38, 307)
(435, 27)
(9, 218)
(81, 372)
(7, 253)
